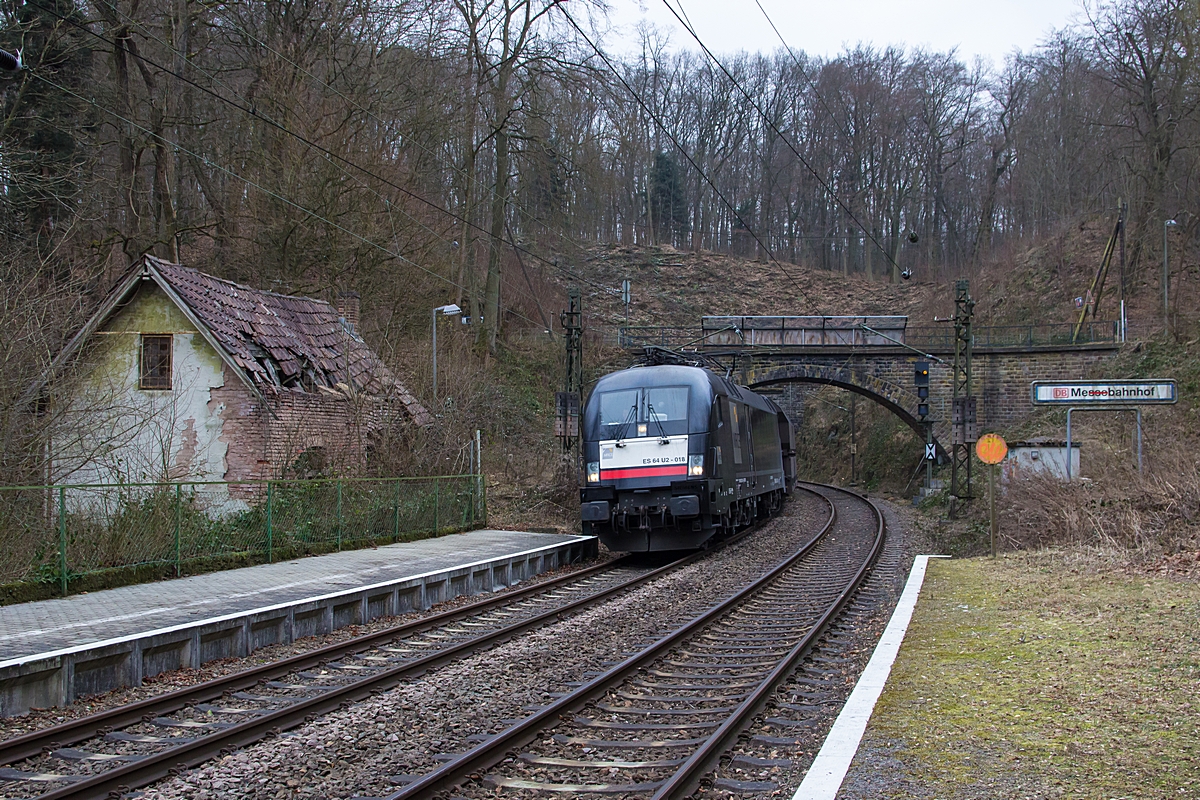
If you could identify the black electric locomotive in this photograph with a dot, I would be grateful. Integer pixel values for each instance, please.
(675, 455)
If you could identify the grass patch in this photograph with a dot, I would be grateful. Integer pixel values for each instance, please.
(1028, 677)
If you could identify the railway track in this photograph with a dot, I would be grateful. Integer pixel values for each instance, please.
(132, 746)
(657, 723)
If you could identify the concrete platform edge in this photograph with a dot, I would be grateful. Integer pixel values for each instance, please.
(824, 778)
(59, 677)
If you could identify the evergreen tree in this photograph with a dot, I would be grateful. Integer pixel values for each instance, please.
(668, 206)
(40, 152)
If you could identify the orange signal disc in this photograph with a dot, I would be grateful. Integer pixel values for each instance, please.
(991, 449)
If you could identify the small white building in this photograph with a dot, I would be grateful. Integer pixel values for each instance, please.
(1040, 457)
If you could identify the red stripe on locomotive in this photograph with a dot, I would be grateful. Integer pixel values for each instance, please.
(643, 472)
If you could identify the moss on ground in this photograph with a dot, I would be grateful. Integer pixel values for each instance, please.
(1024, 678)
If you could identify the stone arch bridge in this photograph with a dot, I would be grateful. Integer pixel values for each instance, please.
(876, 357)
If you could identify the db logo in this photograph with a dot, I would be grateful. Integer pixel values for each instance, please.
(1060, 392)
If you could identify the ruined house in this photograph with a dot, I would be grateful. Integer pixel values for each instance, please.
(182, 376)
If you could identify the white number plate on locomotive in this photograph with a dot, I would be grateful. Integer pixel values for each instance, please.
(644, 457)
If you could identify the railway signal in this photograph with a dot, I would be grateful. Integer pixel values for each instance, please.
(921, 379)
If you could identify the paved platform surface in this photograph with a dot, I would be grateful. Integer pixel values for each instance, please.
(47, 626)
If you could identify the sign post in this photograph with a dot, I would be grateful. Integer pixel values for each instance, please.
(1104, 396)
(991, 450)
(1104, 393)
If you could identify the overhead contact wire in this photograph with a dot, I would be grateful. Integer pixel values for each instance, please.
(750, 99)
(256, 186)
(253, 112)
(488, 188)
(683, 151)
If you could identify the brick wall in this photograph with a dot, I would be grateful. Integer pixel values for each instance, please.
(263, 445)
(243, 430)
(1002, 378)
(339, 425)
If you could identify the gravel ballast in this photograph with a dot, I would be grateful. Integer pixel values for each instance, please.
(370, 748)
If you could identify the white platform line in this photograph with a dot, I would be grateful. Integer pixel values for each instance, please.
(829, 769)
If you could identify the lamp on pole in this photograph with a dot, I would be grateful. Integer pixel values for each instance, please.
(1166, 279)
(447, 310)
(10, 62)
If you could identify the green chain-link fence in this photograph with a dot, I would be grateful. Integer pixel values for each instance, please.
(59, 539)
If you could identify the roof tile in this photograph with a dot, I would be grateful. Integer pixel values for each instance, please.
(299, 334)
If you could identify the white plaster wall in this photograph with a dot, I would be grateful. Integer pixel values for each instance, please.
(108, 430)
(1041, 459)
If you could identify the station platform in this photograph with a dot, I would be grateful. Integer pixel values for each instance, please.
(53, 651)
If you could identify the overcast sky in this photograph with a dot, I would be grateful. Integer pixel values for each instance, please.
(990, 29)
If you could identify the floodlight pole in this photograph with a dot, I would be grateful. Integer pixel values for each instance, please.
(1166, 278)
(452, 308)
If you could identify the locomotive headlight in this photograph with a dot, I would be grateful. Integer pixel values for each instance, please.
(695, 466)
(593, 472)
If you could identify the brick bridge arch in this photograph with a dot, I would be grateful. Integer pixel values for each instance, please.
(875, 357)
(884, 375)
(901, 401)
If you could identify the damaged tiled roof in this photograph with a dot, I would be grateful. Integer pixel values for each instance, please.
(284, 341)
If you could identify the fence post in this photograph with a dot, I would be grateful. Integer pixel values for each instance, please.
(477, 495)
(62, 539)
(339, 515)
(178, 511)
(270, 498)
(437, 506)
(396, 514)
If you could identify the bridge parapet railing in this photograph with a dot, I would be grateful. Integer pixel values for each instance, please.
(941, 337)
(810, 331)
(850, 332)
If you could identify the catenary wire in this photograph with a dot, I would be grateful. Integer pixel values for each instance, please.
(766, 118)
(252, 111)
(803, 72)
(180, 148)
(478, 182)
(388, 206)
(683, 151)
(816, 93)
(488, 188)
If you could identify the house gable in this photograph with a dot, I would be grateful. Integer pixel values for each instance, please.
(110, 430)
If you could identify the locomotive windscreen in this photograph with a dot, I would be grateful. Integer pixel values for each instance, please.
(656, 404)
(616, 407)
(667, 403)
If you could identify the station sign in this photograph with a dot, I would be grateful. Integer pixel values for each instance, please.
(1104, 393)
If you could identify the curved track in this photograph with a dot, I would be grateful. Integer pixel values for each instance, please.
(135, 745)
(657, 723)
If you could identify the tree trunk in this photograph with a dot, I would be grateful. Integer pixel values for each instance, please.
(491, 314)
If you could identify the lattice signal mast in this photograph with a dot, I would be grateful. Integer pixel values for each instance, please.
(963, 403)
(567, 405)
(963, 410)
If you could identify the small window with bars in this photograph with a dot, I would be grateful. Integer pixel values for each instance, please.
(156, 362)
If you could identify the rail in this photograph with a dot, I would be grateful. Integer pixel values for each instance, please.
(531, 608)
(795, 629)
(65, 537)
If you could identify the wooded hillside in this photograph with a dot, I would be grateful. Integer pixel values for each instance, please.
(425, 151)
